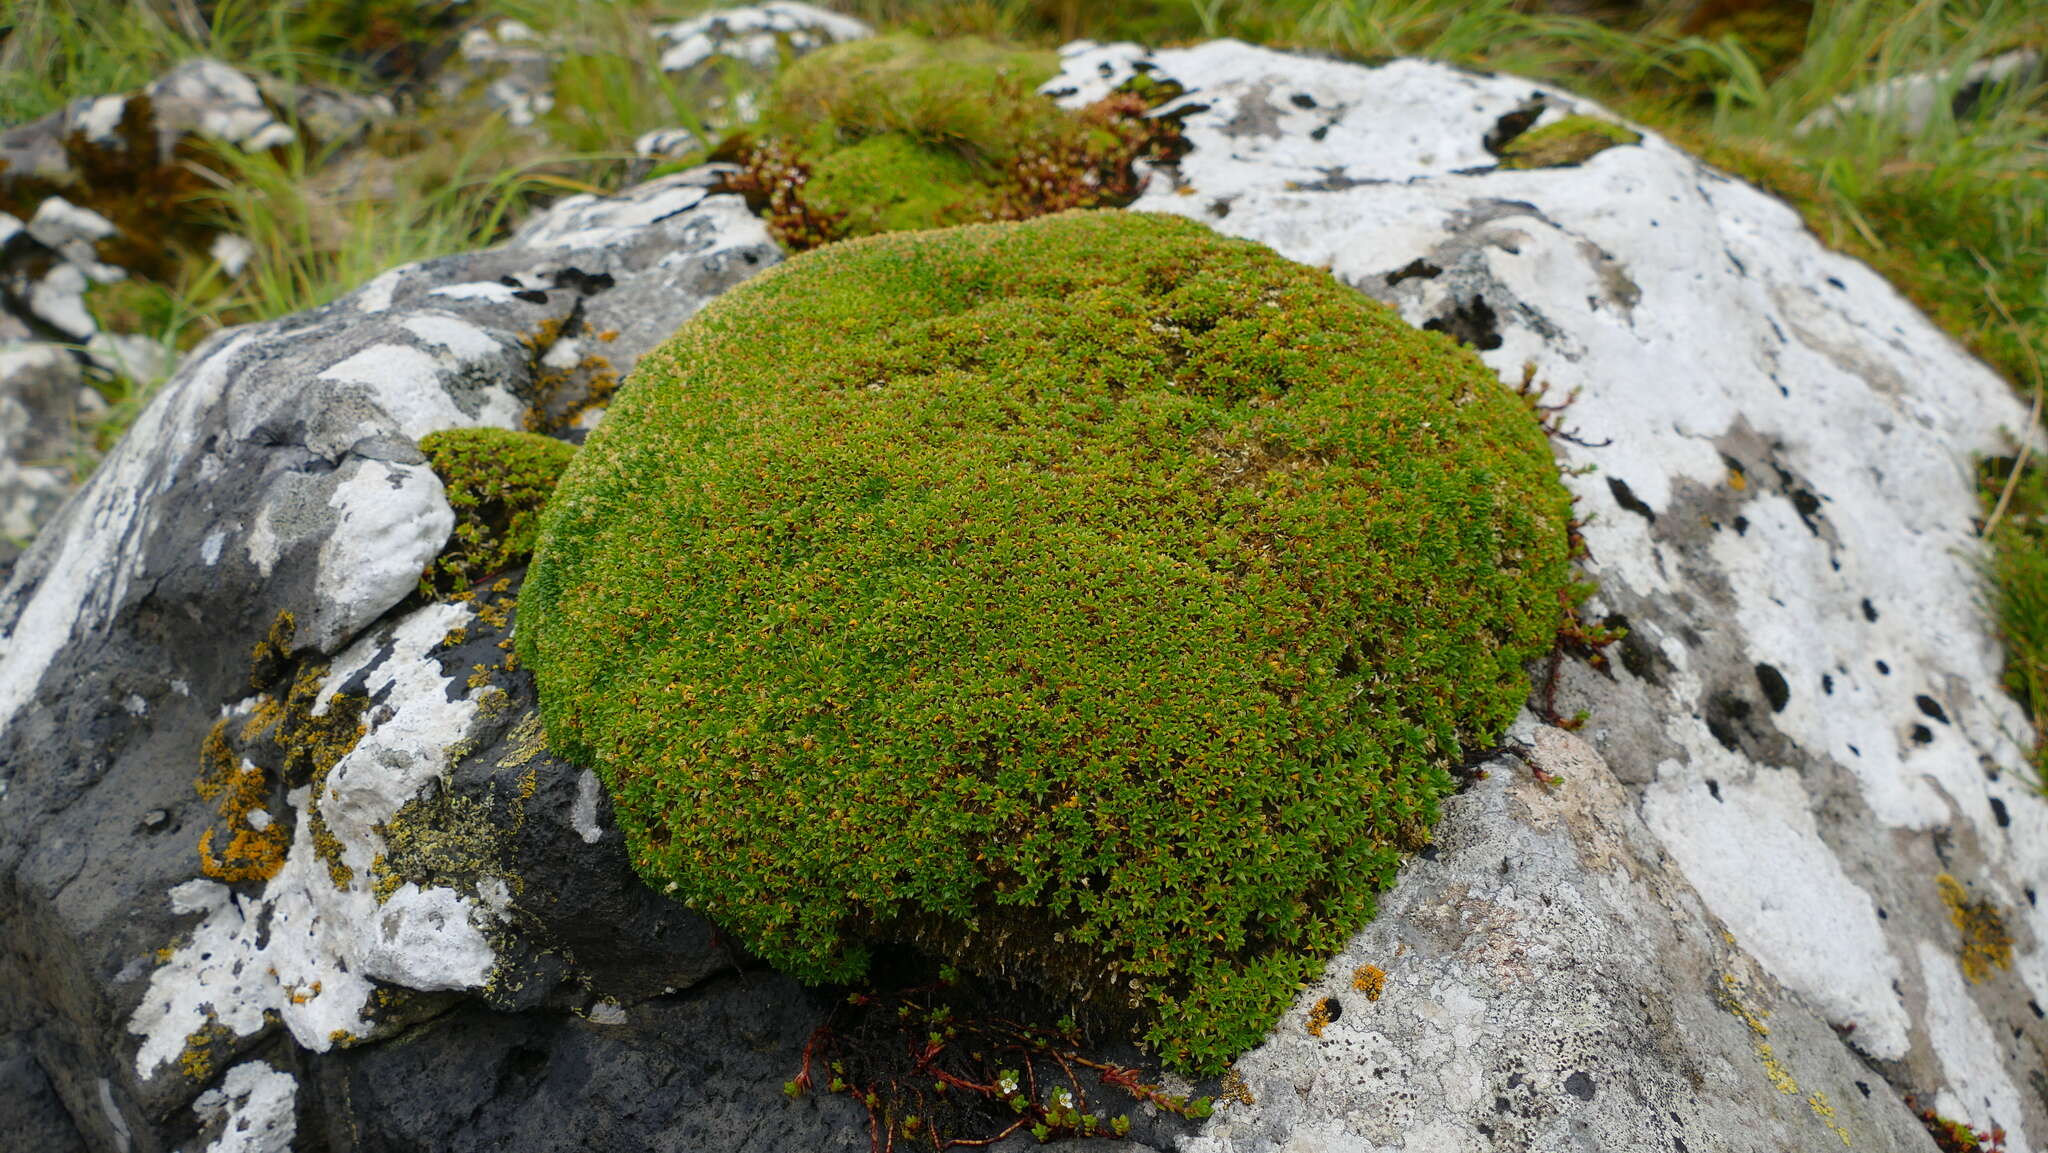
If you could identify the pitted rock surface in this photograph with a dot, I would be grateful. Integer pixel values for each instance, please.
(1781, 492)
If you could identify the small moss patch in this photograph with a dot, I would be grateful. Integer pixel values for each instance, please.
(1094, 600)
(899, 133)
(497, 480)
(1572, 140)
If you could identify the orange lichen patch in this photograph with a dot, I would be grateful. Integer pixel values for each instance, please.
(1985, 944)
(1321, 1015)
(1234, 1088)
(1370, 980)
(239, 790)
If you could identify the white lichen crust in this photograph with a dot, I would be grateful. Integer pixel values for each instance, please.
(306, 948)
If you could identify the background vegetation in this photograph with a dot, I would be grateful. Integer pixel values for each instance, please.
(1954, 211)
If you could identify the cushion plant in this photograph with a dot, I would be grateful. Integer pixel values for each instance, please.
(1093, 599)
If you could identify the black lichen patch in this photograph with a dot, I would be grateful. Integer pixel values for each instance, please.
(1642, 659)
(1416, 269)
(1470, 322)
(1931, 708)
(1627, 498)
(1776, 691)
(1579, 1085)
(1727, 717)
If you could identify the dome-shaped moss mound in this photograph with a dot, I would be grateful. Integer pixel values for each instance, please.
(1094, 599)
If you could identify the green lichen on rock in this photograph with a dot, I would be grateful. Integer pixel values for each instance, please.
(1572, 140)
(497, 481)
(1093, 599)
(898, 133)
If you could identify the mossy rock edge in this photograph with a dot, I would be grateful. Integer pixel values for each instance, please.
(1094, 600)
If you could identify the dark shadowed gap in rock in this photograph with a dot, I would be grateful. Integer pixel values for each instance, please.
(1884, 668)
(1627, 498)
(1725, 712)
(1931, 708)
(1637, 655)
(1869, 610)
(1808, 507)
(1827, 684)
(1773, 684)
(1922, 735)
(1416, 269)
(1714, 787)
(1472, 322)
(1514, 123)
(1999, 814)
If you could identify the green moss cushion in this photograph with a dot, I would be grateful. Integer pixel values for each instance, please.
(1092, 599)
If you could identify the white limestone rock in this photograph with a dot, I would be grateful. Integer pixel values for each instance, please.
(757, 35)
(1808, 709)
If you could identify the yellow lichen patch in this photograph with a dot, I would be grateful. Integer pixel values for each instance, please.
(202, 1047)
(446, 836)
(342, 1038)
(1985, 943)
(1826, 1112)
(1234, 1088)
(1319, 1017)
(256, 840)
(1775, 1071)
(1731, 1000)
(267, 659)
(312, 745)
(1370, 980)
(526, 742)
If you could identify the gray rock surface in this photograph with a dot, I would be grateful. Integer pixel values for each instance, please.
(44, 406)
(1545, 978)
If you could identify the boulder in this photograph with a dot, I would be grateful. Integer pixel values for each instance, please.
(198, 863)
(1775, 453)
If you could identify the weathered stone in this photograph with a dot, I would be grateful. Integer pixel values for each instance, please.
(1808, 709)
(276, 473)
(45, 406)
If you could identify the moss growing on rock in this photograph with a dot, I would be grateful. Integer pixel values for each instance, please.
(1572, 140)
(1095, 600)
(899, 133)
(497, 480)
